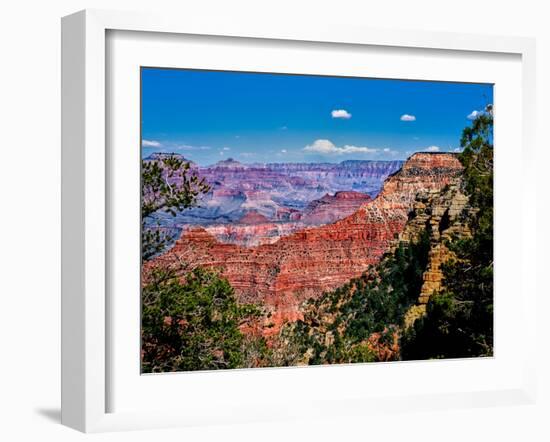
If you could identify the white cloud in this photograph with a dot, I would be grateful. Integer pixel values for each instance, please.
(474, 114)
(341, 113)
(390, 152)
(328, 148)
(283, 150)
(226, 148)
(432, 149)
(150, 143)
(457, 149)
(407, 117)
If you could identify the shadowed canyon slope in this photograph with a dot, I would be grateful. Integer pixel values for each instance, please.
(304, 264)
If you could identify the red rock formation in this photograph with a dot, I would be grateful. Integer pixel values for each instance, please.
(304, 264)
(331, 208)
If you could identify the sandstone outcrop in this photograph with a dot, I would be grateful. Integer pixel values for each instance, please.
(445, 214)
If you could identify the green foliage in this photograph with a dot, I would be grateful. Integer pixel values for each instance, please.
(477, 158)
(166, 185)
(378, 303)
(194, 324)
(459, 320)
(361, 353)
(153, 241)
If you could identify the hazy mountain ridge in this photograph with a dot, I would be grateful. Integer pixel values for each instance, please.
(279, 192)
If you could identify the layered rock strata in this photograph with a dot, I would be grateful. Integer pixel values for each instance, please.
(308, 262)
(254, 229)
(445, 214)
(331, 208)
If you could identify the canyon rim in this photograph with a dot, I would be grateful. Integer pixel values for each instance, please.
(304, 220)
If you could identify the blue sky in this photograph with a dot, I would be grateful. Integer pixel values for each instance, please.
(208, 116)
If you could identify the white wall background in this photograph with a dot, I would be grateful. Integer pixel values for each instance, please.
(30, 215)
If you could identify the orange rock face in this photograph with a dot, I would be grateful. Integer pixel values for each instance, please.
(308, 262)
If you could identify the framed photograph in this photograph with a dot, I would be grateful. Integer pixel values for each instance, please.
(318, 215)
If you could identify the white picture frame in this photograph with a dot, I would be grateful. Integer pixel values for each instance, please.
(85, 307)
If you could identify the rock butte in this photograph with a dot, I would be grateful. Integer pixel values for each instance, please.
(332, 208)
(304, 264)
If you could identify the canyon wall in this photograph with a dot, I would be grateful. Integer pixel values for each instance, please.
(255, 229)
(446, 215)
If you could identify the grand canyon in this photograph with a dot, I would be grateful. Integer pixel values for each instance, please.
(282, 248)
(284, 231)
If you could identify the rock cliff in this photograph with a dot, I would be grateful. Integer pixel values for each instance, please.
(445, 214)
